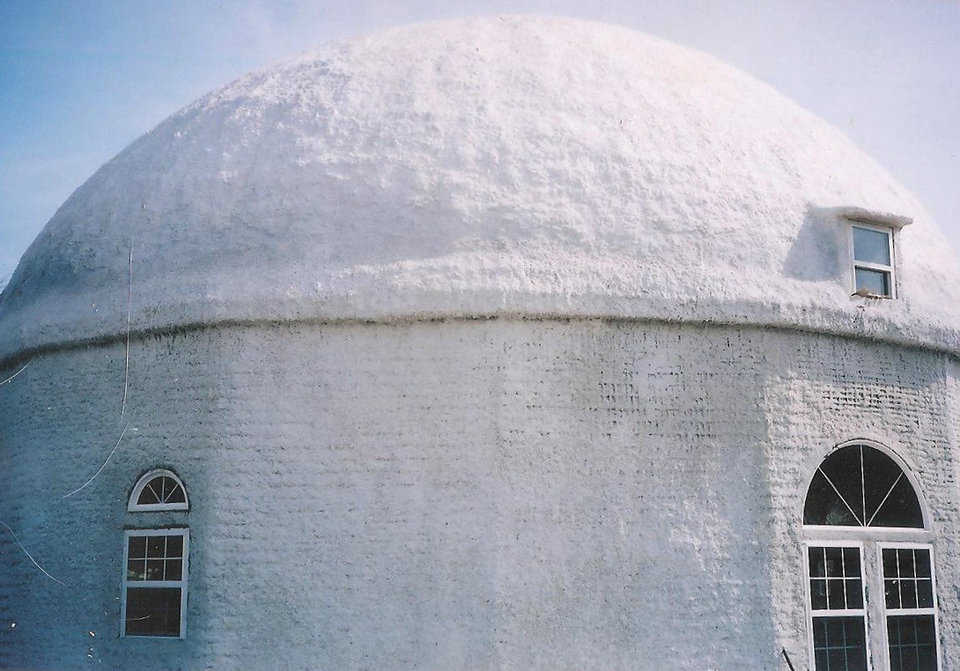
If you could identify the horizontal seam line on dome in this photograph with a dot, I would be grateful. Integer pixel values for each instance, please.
(139, 334)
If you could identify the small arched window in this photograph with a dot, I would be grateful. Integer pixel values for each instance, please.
(158, 490)
(864, 524)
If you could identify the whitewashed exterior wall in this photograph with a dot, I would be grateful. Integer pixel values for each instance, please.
(485, 494)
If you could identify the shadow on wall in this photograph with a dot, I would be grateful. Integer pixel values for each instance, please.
(820, 250)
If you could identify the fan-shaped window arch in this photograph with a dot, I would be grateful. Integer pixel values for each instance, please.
(862, 486)
(159, 489)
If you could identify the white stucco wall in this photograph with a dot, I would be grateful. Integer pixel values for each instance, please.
(485, 494)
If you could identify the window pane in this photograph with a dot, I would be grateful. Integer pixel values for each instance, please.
(174, 546)
(925, 630)
(839, 644)
(856, 658)
(854, 594)
(818, 594)
(851, 562)
(834, 562)
(912, 642)
(836, 594)
(137, 547)
(155, 546)
(901, 507)
(924, 594)
(174, 569)
(890, 563)
(153, 611)
(880, 474)
(922, 563)
(905, 560)
(835, 590)
(877, 282)
(908, 594)
(871, 246)
(154, 569)
(891, 592)
(175, 495)
(150, 493)
(823, 506)
(843, 470)
(835, 631)
(137, 570)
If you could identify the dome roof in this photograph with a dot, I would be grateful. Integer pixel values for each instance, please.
(497, 166)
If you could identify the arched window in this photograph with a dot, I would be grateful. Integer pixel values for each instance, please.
(154, 586)
(865, 527)
(859, 485)
(158, 490)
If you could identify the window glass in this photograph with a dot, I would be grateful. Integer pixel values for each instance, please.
(907, 582)
(912, 642)
(154, 583)
(901, 509)
(839, 644)
(877, 282)
(153, 611)
(908, 599)
(836, 584)
(825, 506)
(161, 490)
(871, 246)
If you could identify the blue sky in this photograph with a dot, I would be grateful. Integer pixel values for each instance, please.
(80, 80)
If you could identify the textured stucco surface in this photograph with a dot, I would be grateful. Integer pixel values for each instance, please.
(486, 494)
(507, 165)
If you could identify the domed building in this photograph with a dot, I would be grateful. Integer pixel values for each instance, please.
(506, 343)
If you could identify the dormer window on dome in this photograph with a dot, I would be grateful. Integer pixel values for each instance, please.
(872, 260)
(872, 252)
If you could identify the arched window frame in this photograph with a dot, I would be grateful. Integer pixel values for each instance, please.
(871, 542)
(145, 479)
(826, 532)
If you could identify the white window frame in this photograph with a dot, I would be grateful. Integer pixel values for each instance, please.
(147, 584)
(134, 507)
(847, 612)
(867, 538)
(909, 611)
(866, 265)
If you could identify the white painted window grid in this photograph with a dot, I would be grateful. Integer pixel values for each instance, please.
(868, 265)
(888, 612)
(151, 480)
(180, 584)
(845, 612)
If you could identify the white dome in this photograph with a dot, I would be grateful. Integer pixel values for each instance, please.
(482, 167)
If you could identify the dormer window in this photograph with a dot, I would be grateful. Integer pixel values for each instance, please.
(872, 248)
(872, 257)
